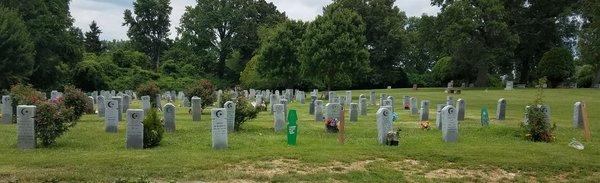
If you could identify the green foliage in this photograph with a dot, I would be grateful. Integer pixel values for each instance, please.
(92, 39)
(277, 57)
(153, 129)
(149, 30)
(538, 128)
(88, 76)
(556, 65)
(244, 110)
(151, 89)
(169, 68)
(128, 59)
(589, 42)
(52, 120)
(21, 94)
(423, 80)
(75, 99)
(585, 76)
(250, 78)
(333, 52)
(16, 49)
(204, 89)
(444, 70)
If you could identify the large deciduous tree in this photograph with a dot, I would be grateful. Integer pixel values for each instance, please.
(556, 65)
(589, 43)
(334, 49)
(149, 27)
(92, 39)
(16, 49)
(228, 30)
(475, 34)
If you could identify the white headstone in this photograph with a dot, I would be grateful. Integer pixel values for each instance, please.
(219, 128)
(384, 124)
(111, 116)
(169, 115)
(196, 108)
(26, 127)
(577, 115)
(449, 124)
(501, 109)
(135, 129)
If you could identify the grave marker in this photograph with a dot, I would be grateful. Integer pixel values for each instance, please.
(101, 106)
(318, 111)
(169, 115)
(230, 110)
(146, 103)
(438, 118)
(424, 111)
(135, 129)
(219, 128)
(353, 112)
(485, 117)
(120, 106)
(384, 124)
(449, 124)
(414, 109)
(461, 109)
(348, 97)
(279, 116)
(196, 108)
(362, 106)
(501, 109)
(7, 110)
(311, 107)
(26, 127)
(372, 97)
(577, 115)
(111, 116)
(126, 100)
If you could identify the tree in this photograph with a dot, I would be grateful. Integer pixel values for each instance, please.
(556, 65)
(58, 46)
(423, 50)
(589, 42)
(277, 57)
(92, 39)
(16, 49)
(475, 34)
(149, 29)
(227, 30)
(333, 50)
(385, 40)
(88, 76)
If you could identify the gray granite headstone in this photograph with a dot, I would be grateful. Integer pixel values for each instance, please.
(196, 108)
(438, 118)
(146, 105)
(392, 103)
(272, 101)
(449, 124)
(111, 116)
(285, 106)
(333, 110)
(158, 103)
(353, 112)
(311, 107)
(450, 100)
(501, 109)
(26, 127)
(577, 115)
(126, 100)
(230, 111)
(332, 96)
(348, 97)
(279, 116)
(219, 128)
(461, 109)
(135, 129)
(384, 124)
(388, 103)
(169, 116)
(7, 110)
(318, 110)
(424, 110)
(372, 97)
(120, 106)
(414, 108)
(101, 106)
(362, 106)
(406, 102)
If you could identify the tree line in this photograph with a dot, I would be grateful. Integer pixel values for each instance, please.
(353, 44)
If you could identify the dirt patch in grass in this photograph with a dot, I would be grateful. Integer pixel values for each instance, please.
(494, 175)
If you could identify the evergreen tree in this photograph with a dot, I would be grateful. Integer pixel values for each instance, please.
(16, 49)
(92, 39)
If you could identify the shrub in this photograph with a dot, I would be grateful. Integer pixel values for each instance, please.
(75, 99)
(244, 110)
(585, 76)
(51, 121)
(556, 65)
(87, 75)
(153, 129)
(203, 89)
(151, 89)
(24, 95)
(538, 128)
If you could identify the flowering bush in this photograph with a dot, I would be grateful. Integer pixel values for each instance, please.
(203, 89)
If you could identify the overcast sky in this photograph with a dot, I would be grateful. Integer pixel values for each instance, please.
(109, 13)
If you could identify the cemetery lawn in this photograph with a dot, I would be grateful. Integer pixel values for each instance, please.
(256, 153)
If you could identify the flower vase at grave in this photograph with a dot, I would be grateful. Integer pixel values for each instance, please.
(292, 127)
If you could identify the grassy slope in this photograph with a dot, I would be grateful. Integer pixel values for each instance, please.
(86, 153)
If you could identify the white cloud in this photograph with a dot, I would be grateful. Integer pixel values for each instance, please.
(109, 13)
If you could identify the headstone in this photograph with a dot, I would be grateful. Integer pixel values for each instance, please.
(111, 116)
(577, 115)
(230, 110)
(272, 101)
(146, 105)
(547, 113)
(26, 127)
(54, 95)
(382, 97)
(387, 103)
(449, 124)
(158, 103)
(333, 110)
(279, 116)
(362, 106)
(384, 124)
(461, 109)
(406, 102)
(424, 111)
(450, 100)
(331, 97)
(414, 109)
(126, 100)
(135, 129)
(372, 97)
(342, 100)
(353, 112)
(318, 111)
(392, 103)
(348, 97)
(7, 110)
(101, 106)
(219, 128)
(311, 106)
(438, 118)
(196, 108)
(120, 106)
(285, 106)
(509, 85)
(485, 117)
(501, 109)
(169, 115)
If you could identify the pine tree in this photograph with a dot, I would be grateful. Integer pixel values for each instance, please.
(92, 39)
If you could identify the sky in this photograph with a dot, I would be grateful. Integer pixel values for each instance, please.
(109, 13)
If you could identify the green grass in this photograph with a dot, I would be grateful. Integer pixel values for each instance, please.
(87, 153)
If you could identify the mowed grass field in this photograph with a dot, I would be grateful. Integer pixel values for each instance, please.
(257, 154)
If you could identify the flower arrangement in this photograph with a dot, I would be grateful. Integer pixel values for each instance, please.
(425, 125)
(331, 125)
